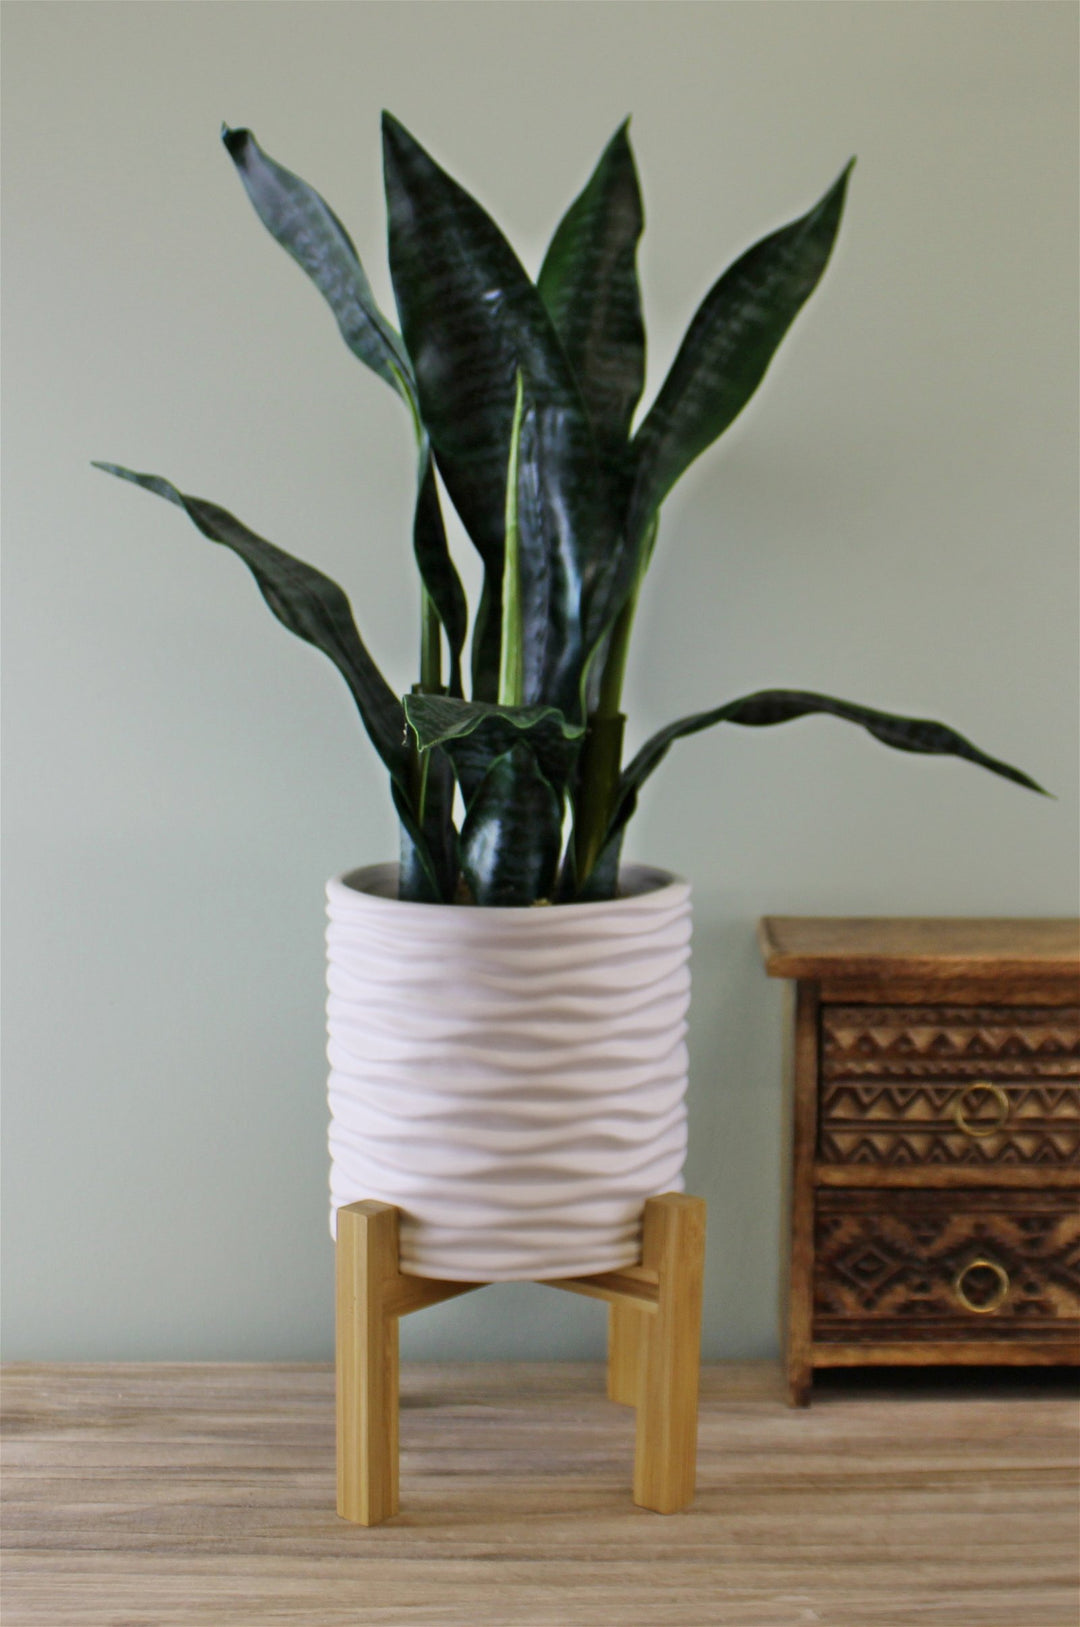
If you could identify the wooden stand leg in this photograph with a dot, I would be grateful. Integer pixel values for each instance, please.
(626, 1344)
(367, 1363)
(653, 1353)
(665, 1459)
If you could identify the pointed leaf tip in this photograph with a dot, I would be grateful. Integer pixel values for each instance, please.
(394, 132)
(846, 173)
(728, 347)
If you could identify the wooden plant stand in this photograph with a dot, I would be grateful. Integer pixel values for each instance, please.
(654, 1343)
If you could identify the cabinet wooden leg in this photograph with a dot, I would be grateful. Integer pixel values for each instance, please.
(800, 1379)
(626, 1344)
(367, 1363)
(665, 1459)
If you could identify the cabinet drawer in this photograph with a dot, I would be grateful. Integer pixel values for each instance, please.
(903, 1085)
(909, 1265)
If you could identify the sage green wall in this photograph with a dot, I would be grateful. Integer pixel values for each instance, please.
(893, 520)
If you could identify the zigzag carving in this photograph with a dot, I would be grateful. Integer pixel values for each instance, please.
(873, 1100)
(893, 1124)
(896, 1151)
(950, 1041)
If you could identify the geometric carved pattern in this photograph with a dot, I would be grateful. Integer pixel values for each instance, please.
(972, 1266)
(949, 1086)
(892, 1125)
(950, 1042)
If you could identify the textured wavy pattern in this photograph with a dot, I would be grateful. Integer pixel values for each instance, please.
(512, 1079)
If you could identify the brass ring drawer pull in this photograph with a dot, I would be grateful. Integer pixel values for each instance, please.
(981, 1128)
(998, 1295)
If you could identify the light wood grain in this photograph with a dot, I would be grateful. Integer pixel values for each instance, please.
(665, 1458)
(180, 1496)
(653, 1359)
(897, 947)
(367, 1363)
(371, 1294)
(626, 1347)
(634, 1282)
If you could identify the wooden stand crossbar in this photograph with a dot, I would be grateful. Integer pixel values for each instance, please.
(654, 1341)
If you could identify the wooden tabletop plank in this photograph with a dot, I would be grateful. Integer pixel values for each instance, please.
(203, 1496)
(917, 946)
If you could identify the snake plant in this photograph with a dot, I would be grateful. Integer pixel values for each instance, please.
(522, 396)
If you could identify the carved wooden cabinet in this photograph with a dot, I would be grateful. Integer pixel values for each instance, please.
(935, 1142)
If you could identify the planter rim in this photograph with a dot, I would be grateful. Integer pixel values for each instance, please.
(376, 884)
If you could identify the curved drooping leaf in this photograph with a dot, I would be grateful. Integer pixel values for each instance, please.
(588, 282)
(317, 610)
(511, 836)
(768, 706)
(438, 720)
(474, 733)
(310, 605)
(307, 228)
(727, 348)
(472, 320)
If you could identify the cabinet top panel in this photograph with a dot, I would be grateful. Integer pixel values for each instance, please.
(820, 946)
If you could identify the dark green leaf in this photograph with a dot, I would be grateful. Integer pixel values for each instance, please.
(307, 228)
(602, 882)
(437, 570)
(420, 880)
(474, 733)
(429, 856)
(770, 706)
(727, 349)
(589, 284)
(310, 605)
(416, 882)
(511, 837)
(554, 620)
(596, 791)
(512, 640)
(471, 320)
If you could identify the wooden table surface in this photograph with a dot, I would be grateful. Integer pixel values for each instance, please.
(169, 1495)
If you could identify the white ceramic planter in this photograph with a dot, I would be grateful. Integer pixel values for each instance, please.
(512, 1079)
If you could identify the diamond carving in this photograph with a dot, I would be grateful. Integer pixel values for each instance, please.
(887, 1264)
